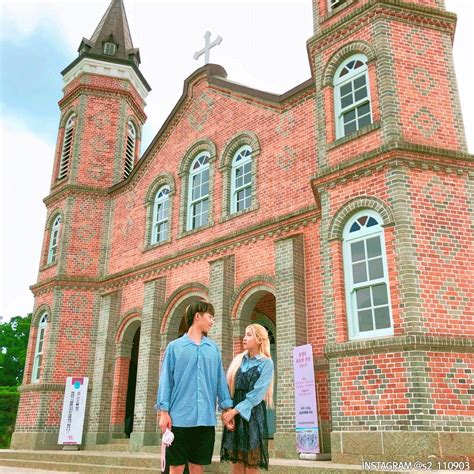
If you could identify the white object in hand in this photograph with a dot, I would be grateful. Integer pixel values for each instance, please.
(166, 439)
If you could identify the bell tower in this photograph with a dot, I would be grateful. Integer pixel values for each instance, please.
(98, 144)
(391, 146)
(103, 105)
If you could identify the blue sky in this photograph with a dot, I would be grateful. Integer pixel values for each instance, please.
(30, 83)
(40, 38)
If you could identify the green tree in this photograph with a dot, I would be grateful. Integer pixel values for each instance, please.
(13, 345)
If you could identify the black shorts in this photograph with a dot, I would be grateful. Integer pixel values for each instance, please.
(194, 445)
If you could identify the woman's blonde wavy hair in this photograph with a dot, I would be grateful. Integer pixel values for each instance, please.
(261, 334)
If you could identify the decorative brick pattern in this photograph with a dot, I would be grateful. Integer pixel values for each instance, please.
(437, 194)
(286, 125)
(281, 260)
(286, 158)
(462, 373)
(201, 112)
(418, 42)
(371, 382)
(453, 298)
(422, 80)
(426, 122)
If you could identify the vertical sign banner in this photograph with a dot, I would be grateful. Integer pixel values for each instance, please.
(74, 407)
(306, 410)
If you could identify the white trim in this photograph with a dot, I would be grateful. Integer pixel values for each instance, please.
(351, 287)
(38, 358)
(233, 189)
(66, 150)
(130, 149)
(94, 66)
(54, 240)
(338, 83)
(191, 203)
(155, 222)
(332, 4)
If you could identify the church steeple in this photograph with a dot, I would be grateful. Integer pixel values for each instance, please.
(111, 42)
(112, 39)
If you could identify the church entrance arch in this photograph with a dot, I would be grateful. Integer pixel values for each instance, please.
(174, 324)
(132, 385)
(258, 305)
(125, 376)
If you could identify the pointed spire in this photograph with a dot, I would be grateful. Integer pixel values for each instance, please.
(111, 39)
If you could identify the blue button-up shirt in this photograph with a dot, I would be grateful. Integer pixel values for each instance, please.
(256, 395)
(191, 380)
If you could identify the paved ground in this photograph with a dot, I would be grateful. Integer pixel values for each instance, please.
(23, 470)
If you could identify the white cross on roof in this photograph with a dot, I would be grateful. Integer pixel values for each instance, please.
(207, 47)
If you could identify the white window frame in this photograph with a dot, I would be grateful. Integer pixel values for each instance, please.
(110, 48)
(234, 189)
(130, 145)
(339, 83)
(66, 149)
(191, 202)
(333, 4)
(38, 360)
(54, 240)
(161, 199)
(351, 287)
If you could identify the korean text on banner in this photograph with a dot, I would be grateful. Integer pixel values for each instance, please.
(74, 407)
(306, 410)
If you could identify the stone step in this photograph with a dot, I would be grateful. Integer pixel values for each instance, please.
(120, 441)
(115, 447)
(119, 462)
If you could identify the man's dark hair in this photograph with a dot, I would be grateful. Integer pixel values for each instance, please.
(197, 307)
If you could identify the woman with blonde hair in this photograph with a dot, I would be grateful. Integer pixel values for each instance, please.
(250, 380)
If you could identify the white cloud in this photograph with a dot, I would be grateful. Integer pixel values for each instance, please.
(25, 173)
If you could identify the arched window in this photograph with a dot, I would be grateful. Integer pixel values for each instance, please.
(351, 96)
(67, 147)
(161, 207)
(198, 192)
(366, 278)
(241, 180)
(54, 240)
(335, 3)
(39, 348)
(130, 149)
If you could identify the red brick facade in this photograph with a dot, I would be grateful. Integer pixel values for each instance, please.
(281, 261)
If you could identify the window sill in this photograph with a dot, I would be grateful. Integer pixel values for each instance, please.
(228, 216)
(48, 265)
(149, 247)
(194, 231)
(353, 136)
(336, 10)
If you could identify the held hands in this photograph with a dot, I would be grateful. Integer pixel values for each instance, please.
(227, 418)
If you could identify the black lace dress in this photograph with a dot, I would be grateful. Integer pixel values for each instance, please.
(248, 444)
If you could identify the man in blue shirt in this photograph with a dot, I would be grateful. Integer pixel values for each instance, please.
(191, 380)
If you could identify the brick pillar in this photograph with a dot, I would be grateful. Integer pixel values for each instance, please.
(102, 380)
(119, 395)
(291, 332)
(221, 288)
(144, 423)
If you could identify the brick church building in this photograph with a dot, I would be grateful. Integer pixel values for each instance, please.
(339, 213)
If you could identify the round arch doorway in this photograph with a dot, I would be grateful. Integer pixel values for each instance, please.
(132, 385)
(269, 325)
(259, 306)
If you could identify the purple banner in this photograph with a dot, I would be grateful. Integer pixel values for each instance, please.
(306, 410)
